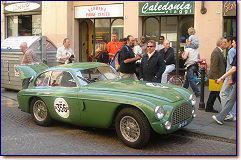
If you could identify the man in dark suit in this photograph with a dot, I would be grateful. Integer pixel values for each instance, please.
(217, 69)
(152, 64)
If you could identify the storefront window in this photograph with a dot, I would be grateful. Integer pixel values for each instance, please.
(169, 30)
(24, 25)
(36, 25)
(102, 30)
(230, 27)
(151, 29)
(12, 26)
(117, 27)
(173, 28)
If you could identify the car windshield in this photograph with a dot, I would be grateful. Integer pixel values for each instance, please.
(96, 74)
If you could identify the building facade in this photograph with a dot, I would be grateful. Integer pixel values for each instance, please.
(87, 23)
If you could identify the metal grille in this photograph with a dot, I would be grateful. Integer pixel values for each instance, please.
(181, 114)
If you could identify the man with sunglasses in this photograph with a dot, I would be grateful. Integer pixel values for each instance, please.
(160, 45)
(152, 64)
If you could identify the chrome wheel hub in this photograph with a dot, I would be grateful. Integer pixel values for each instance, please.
(40, 110)
(129, 128)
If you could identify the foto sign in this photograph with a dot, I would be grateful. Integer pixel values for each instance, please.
(99, 11)
(166, 8)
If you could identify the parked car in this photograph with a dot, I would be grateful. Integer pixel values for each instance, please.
(93, 95)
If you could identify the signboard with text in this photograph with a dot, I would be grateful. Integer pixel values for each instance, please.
(166, 8)
(229, 8)
(99, 11)
(23, 7)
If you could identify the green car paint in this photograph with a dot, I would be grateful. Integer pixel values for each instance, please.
(96, 104)
(27, 71)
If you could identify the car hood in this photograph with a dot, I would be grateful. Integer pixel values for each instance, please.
(140, 88)
(27, 71)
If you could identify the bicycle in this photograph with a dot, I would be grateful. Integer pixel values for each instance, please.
(177, 79)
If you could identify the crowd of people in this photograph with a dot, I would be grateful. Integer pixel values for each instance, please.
(150, 62)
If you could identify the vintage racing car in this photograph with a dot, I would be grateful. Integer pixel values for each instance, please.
(93, 95)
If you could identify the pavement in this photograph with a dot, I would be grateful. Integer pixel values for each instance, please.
(203, 124)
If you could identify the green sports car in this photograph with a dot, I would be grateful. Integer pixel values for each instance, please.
(93, 95)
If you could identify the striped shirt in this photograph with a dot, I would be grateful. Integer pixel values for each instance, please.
(29, 57)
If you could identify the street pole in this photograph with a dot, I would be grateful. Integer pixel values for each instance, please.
(201, 103)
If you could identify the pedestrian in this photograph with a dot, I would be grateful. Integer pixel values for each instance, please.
(65, 54)
(194, 42)
(101, 53)
(191, 56)
(217, 69)
(124, 41)
(128, 59)
(232, 96)
(161, 43)
(226, 89)
(228, 46)
(152, 64)
(138, 51)
(169, 59)
(143, 44)
(29, 57)
(113, 46)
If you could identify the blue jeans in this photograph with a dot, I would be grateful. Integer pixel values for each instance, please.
(190, 79)
(228, 105)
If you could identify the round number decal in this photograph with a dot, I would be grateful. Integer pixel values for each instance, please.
(61, 107)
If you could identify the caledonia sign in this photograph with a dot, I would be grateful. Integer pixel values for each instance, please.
(166, 8)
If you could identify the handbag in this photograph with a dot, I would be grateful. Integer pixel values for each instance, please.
(213, 86)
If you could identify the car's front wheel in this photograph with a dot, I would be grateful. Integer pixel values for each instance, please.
(40, 112)
(132, 127)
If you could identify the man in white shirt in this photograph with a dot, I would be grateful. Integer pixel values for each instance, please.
(65, 54)
(161, 44)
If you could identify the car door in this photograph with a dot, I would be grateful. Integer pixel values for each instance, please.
(62, 97)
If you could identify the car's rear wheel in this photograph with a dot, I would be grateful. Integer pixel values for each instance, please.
(132, 127)
(40, 112)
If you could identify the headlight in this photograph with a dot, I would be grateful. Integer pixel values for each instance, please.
(192, 99)
(159, 112)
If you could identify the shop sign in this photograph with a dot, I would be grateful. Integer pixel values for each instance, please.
(99, 11)
(229, 8)
(23, 7)
(166, 8)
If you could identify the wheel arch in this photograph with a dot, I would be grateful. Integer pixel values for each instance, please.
(30, 100)
(122, 106)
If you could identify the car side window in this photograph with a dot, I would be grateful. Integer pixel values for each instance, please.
(43, 79)
(62, 79)
(91, 75)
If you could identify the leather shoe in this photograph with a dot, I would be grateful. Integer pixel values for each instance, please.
(212, 110)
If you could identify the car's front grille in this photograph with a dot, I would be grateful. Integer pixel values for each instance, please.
(181, 114)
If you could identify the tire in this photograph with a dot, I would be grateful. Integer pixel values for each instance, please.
(40, 112)
(132, 127)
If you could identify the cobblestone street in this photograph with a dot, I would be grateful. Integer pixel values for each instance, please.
(21, 136)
